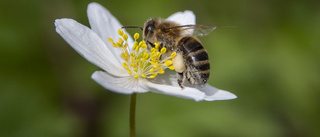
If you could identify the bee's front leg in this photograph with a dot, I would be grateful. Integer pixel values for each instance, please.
(180, 79)
(150, 45)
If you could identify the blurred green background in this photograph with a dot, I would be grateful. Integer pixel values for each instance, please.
(270, 61)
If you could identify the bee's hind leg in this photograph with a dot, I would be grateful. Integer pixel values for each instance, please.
(180, 79)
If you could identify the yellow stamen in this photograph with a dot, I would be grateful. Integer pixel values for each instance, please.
(141, 61)
(173, 54)
(146, 55)
(144, 46)
(132, 54)
(133, 65)
(163, 50)
(129, 72)
(151, 70)
(120, 32)
(125, 37)
(153, 75)
(157, 45)
(168, 62)
(121, 41)
(110, 40)
(136, 36)
(161, 71)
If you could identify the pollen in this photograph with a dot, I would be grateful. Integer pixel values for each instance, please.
(138, 60)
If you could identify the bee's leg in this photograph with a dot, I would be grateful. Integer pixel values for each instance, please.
(180, 78)
(150, 44)
(161, 46)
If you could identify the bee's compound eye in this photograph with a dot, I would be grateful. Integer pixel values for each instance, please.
(149, 29)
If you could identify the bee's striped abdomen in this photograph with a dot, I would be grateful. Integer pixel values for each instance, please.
(196, 60)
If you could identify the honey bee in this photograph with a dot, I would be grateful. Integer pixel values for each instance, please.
(192, 60)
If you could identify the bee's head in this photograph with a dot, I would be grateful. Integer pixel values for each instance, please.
(149, 29)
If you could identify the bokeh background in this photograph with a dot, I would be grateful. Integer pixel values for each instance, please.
(270, 61)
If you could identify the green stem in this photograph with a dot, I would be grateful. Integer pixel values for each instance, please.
(132, 114)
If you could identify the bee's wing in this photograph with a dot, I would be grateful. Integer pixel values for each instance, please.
(200, 30)
(203, 30)
(196, 30)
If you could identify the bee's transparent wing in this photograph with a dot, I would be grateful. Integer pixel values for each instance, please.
(198, 30)
(202, 30)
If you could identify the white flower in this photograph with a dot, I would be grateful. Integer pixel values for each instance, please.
(93, 45)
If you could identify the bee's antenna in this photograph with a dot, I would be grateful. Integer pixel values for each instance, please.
(133, 27)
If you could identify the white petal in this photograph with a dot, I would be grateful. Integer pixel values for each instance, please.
(89, 45)
(183, 18)
(168, 78)
(105, 25)
(123, 85)
(167, 84)
(213, 93)
(187, 92)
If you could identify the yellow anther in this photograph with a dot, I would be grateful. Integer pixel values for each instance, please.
(121, 41)
(137, 48)
(133, 65)
(168, 62)
(153, 50)
(151, 70)
(154, 60)
(153, 75)
(155, 65)
(129, 72)
(158, 54)
(135, 70)
(132, 54)
(143, 60)
(118, 44)
(143, 75)
(163, 50)
(136, 76)
(171, 67)
(161, 71)
(123, 56)
(125, 45)
(136, 36)
(146, 55)
(125, 65)
(135, 44)
(125, 37)
(110, 40)
(173, 54)
(144, 46)
(157, 45)
(120, 32)
(141, 66)
(141, 43)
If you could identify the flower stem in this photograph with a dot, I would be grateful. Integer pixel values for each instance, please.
(132, 114)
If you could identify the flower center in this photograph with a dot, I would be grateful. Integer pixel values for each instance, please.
(139, 61)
